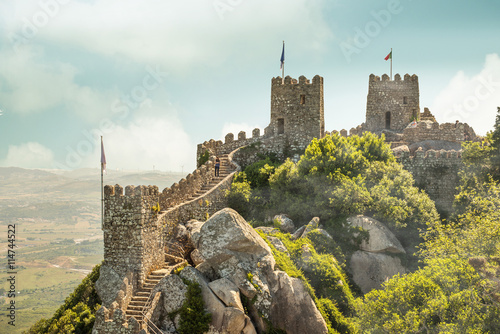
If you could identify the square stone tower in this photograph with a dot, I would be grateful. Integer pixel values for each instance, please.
(392, 104)
(297, 109)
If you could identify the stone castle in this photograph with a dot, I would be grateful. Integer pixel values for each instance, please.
(139, 221)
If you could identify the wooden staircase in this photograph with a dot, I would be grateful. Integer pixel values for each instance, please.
(224, 170)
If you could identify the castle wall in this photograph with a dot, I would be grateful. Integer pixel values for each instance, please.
(132, 230)
(454, 132)
(395, 99)
(436, 172)
(115, 324)
(180, 192)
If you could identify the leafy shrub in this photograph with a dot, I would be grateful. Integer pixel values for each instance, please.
(203, 158)
(259, 172)
(194, 318)
(239, 195)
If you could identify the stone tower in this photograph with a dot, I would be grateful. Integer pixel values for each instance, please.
(297, 110)
(392, 104)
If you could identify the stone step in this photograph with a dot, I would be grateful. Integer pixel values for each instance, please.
(135, 308)
(132, 312)
(138, 302)
(139, 299)
(137, 317)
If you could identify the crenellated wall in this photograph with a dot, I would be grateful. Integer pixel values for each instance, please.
(114, 322)
(391, 104)
(132, 231)
(297, 109)
(436, 172)
(180, 192)
(453, 132)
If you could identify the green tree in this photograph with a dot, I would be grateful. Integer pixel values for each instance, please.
(443, 297)
(77, 314)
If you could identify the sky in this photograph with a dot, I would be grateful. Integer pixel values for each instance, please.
(157, 77)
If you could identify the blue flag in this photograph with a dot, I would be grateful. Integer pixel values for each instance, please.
(282, 57)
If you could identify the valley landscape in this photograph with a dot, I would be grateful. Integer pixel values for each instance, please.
(58, 233)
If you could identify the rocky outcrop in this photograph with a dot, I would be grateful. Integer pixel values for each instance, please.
(381, 239)
(370, 270)
(242, 259)
(376, 261)
(284, 223)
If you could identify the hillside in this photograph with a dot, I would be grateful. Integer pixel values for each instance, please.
(58, 232)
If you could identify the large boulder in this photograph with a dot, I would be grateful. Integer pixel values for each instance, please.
(370, 270)
(229, 243)
(231, 320)
(174, 292)
(237, 253)
(381, 238)
(284, 223)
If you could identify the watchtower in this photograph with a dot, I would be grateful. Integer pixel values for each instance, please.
(297, 109)
(392, 104)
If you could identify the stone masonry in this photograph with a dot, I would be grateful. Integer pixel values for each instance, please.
(392, 104)
(436, 172)
(297, 116)
(297, 109)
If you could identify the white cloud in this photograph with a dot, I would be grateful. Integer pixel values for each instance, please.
(473, 100)
(177, 34)
(31, 85)
(145, 142)
(29, 155)
(235, 128)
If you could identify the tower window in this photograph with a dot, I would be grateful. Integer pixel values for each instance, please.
(281, 125)
(388, 120)
(302, 99)
(405, 100)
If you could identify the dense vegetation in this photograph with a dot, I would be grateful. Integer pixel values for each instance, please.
(457, 290)
(335, 178)
(77, 314)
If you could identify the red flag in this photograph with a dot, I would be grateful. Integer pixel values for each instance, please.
(389, 56)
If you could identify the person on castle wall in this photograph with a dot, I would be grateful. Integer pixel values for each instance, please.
(217, 166)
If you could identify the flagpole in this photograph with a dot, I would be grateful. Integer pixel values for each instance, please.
(102, 192)
(283, 67)
(391, 63)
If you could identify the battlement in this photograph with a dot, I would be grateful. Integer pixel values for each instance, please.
(434, 155)
(397, 78)
(452, 132)
(278, 81)
(187, 187)
(130, 191)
